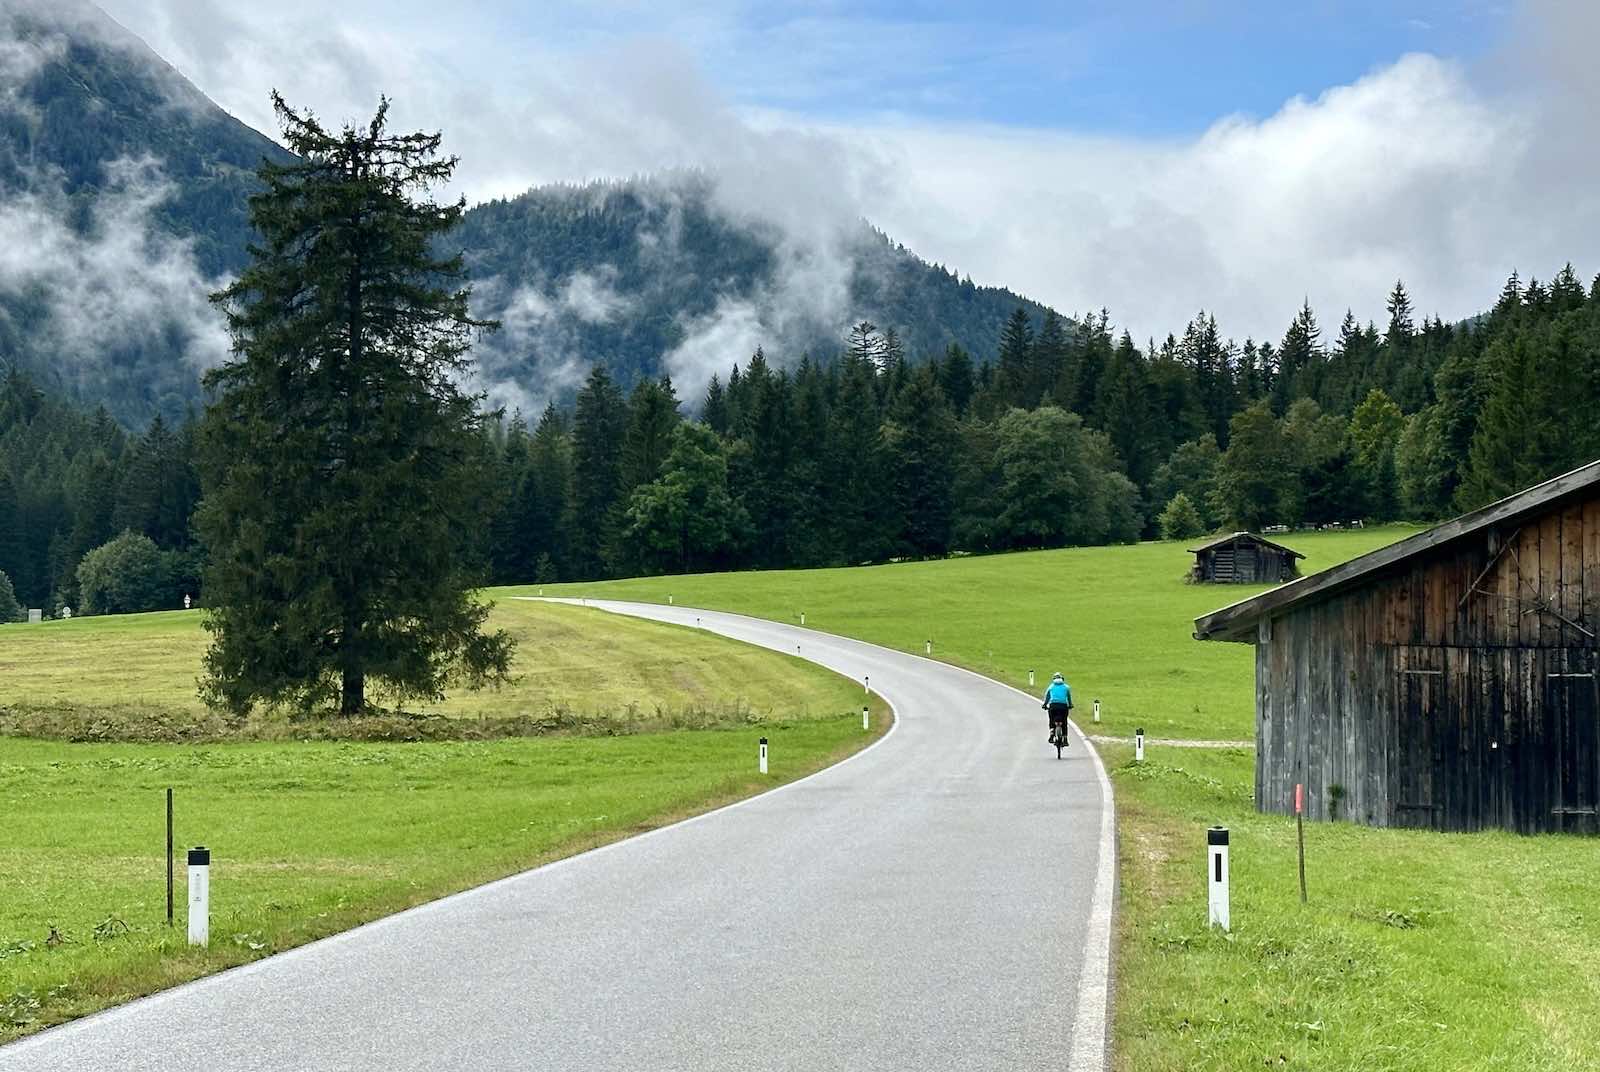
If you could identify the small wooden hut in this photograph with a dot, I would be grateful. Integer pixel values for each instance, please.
(1244, 558)
(1447, 681)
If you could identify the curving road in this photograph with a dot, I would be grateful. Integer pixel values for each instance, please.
(940, 901)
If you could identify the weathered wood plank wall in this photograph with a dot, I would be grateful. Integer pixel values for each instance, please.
(1457, 691)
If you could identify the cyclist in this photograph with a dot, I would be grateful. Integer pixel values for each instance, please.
(1058, 701)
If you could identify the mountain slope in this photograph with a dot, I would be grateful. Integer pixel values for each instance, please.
(125, 203)
(656, 275)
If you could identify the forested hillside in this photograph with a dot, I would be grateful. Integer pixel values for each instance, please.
(629, 272)
(1067, 437)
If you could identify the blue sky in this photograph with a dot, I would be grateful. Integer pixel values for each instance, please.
(1145, 67)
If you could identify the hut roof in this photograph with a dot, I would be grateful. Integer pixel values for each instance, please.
(1235, 536)
(1238, 621)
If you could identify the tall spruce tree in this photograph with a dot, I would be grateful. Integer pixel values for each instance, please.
(344, 484)
(597, 432)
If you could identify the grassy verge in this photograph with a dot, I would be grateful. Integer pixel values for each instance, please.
(312, 838)
(1418, 952)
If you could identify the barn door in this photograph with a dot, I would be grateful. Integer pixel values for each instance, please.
(1222, 564)
(1419, 691)
(1572, 709)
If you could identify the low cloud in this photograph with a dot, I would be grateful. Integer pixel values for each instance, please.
(112, 287)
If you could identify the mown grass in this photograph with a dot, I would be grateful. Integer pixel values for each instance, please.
(313, 837)
(94, 677)
(1118, 621)
(1418, 952)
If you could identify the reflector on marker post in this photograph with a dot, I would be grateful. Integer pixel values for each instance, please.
(199, 895)
(1097, 710)
(1217, 876)
(763, 755)
(1138, 746)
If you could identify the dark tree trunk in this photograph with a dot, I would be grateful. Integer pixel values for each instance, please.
(353, 701)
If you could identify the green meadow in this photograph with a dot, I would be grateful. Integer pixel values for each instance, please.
(313, 837)
(1416, 951)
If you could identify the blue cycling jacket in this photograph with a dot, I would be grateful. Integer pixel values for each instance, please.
(1058, 692)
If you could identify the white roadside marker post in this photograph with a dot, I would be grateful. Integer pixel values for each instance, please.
(1217, 876)
(200, 895)
(927, 649)
(1097, 710)
(1138, 746)
(763, 760)
(865, 723)
(669, 599)
(866, 683)
(802, 617)
(697, 623)
(1030, 679)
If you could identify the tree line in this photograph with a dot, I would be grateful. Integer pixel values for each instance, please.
(1069, 434)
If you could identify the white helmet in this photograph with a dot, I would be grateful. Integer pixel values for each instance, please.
(1058, 677)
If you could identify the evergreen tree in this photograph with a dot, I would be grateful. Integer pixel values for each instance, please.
(1127, 412)
(1054, 375)
(344, 492)
(956, 379)
(1301, 352)
(1014, 365)
(919, 440)
(652, 417)
(597, 432)
(715, 410)
(548, 520)
(10, 609)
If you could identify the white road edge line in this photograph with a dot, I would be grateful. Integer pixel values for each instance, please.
(1090, 1048)
(22, 1045)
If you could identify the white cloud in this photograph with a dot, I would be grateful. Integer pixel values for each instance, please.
(1426, 169)
(117, 284)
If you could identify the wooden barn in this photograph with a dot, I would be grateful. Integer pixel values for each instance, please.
(1447, 681)
(1244, 558)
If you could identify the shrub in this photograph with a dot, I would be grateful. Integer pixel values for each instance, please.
(1181, 519)
(125, 575)
(10, 609)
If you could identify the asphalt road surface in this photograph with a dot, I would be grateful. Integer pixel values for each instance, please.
(940, 901)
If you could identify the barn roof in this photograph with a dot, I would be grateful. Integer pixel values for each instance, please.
(1239, 621)
(1234, 536)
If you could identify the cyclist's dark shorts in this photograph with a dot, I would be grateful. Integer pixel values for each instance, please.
(1058, 712)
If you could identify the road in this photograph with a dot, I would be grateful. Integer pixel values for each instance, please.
(940, 901)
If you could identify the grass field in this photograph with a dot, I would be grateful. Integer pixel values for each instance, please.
(1417, 952)
(567, 662)
(1118, 621)
(310, 838)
